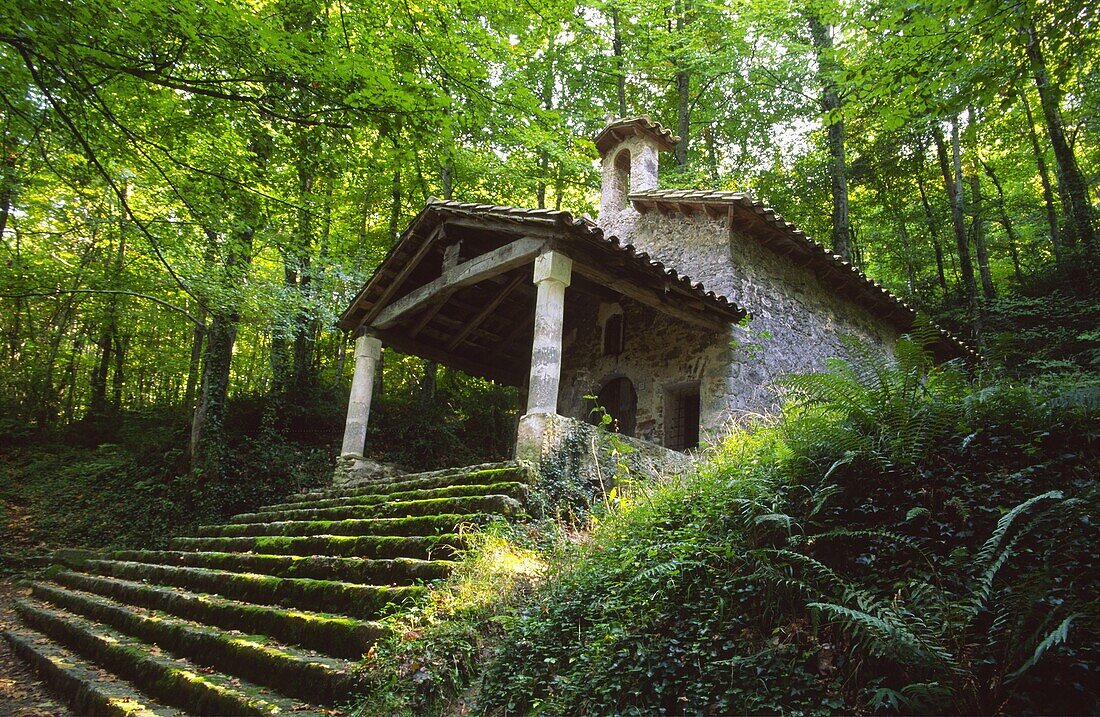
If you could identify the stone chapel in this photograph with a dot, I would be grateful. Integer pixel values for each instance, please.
(677, 309)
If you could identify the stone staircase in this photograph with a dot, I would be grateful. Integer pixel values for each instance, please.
(266, 614)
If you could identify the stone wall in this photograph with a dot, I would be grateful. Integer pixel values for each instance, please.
(566, 449)
(797, 321)
(659, 353)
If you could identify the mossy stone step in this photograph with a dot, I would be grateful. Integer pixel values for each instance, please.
(351, 599)
(430, 547)
(89, 689)
(490, 473)
(501, 504)
(517, 491)
(335, 635)
(395, 571)
(171, 680)
(415, 525)
(293, 672)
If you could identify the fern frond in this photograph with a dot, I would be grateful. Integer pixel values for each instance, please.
(1058, 635)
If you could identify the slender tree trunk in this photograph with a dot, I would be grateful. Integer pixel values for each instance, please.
(683, 89)
(395, 185)
(977, 228)
(208, 446)
(933, 229)
(683, 116)
(620, 69)
(1071, 183)
(953, 184)
(835, 132)
(547, 104)
(1006, 222)
(1044, 178)
(888, 199)
(209, 451)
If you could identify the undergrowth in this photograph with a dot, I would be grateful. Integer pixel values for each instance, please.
(436, 648)
(901, 540)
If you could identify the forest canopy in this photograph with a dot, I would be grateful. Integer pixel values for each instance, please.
(191, 192)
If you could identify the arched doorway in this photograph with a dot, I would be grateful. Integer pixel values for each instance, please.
(620, 400)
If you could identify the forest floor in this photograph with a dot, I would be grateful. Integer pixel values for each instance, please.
(22, 694)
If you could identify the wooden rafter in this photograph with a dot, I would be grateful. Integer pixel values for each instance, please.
(488, 309)
(480, 268)
(403, 274)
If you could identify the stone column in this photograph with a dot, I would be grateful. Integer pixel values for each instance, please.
(552, 274)
(368, 350)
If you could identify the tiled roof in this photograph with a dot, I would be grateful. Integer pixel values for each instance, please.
(617, 129)
(584, 227)
(782, 236)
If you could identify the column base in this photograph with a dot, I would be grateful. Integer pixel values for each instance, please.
(354, 469)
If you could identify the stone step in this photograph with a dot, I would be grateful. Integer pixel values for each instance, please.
(169, 679)
(416, 525)
(351, 599)
(399, 571)
(518, 491)
(89, 689)
(486, 473)
(430, 547)
(292, 671)
(335, 635)
(502, 504)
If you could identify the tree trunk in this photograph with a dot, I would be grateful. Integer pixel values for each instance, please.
(1006, 222)
(953, 184)
(617, 50)
(1071, 183)
(683, 91)
(395, 188)
(547, 104)
(888, 199)
(835, 132)
(194, 364)
(683, 116)
(977, 222)
(209, 450)
(1044, 178)
(933, 228)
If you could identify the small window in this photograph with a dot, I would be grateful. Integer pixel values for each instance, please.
(682, 417)
(613, 335)
(622, 173)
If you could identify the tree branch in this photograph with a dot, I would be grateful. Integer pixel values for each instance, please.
(58, 292)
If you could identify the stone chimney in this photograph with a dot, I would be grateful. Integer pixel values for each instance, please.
(628, 155)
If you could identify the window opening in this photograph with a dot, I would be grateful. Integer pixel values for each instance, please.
(682, 417)
(622, 173)
(613, 337)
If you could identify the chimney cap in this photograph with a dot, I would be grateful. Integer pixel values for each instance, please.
(619, 129)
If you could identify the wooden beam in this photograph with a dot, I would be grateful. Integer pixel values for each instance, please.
(649, 298)
(497, 371)
(429, 314)
(489, 308)
(403, 274)
(480, 268)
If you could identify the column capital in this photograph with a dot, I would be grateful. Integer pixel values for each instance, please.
(368, 346)
(553, 265)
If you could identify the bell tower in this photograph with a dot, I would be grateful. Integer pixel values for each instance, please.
(628, 155)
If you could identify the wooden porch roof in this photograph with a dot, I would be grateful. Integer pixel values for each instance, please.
(477, 315)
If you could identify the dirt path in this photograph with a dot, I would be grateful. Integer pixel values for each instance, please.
(22, 694)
